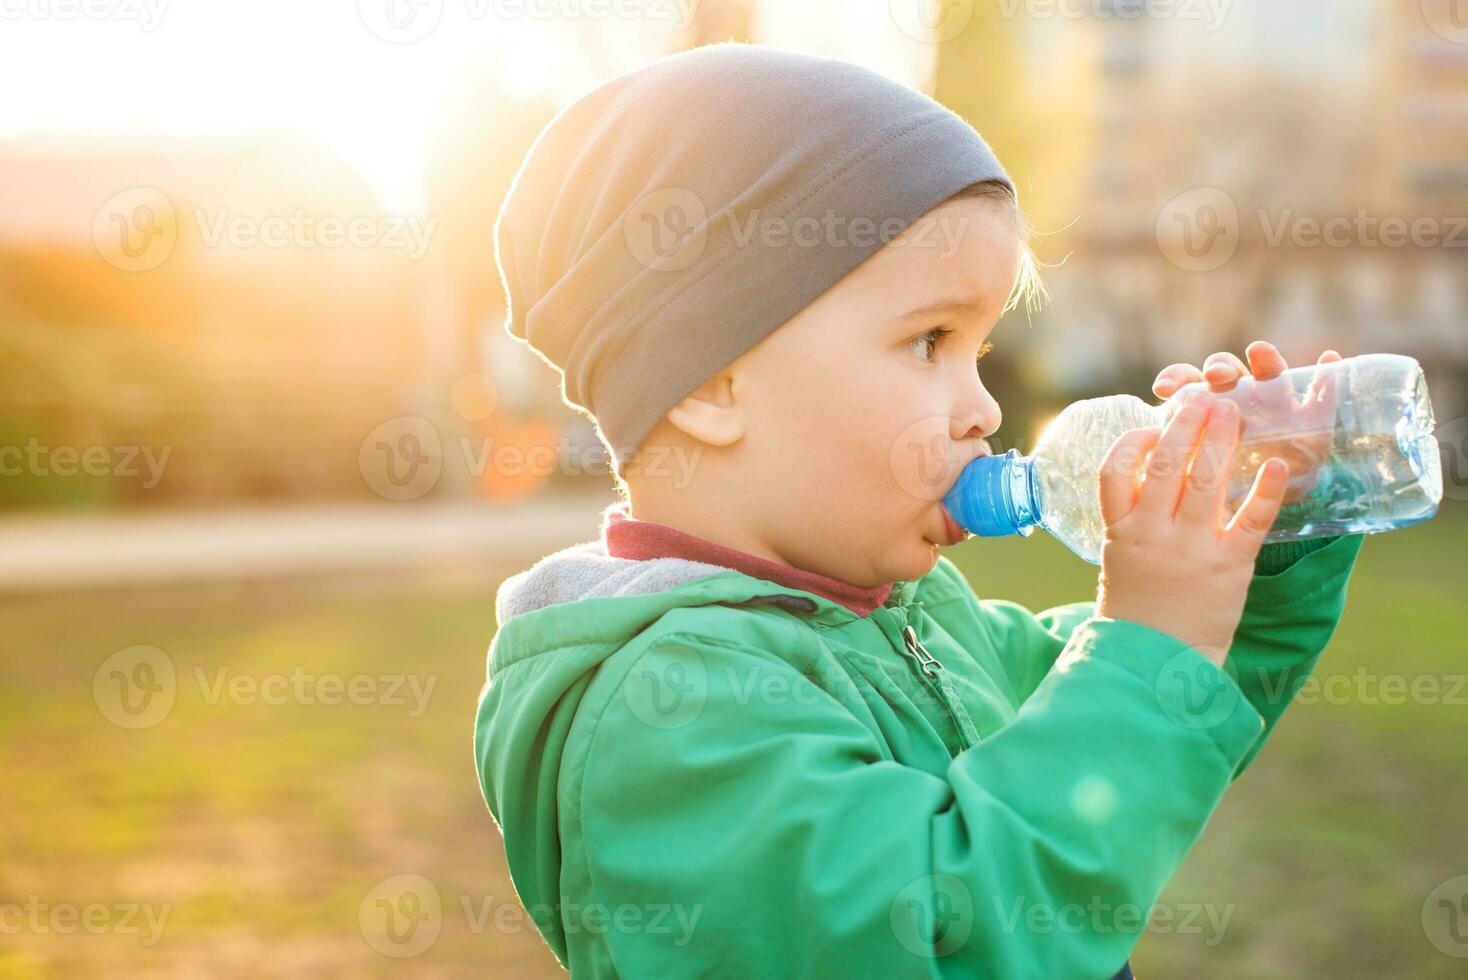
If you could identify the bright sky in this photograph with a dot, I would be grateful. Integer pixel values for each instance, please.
(123, 68)
(127, 68)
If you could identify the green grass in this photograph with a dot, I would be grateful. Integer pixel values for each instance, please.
(262, 827)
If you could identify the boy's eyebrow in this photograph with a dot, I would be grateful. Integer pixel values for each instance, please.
(944, 306)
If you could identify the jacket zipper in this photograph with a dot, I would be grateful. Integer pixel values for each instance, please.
(934, 669)
(929, 663)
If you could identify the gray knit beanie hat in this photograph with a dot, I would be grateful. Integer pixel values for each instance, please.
(673, 217)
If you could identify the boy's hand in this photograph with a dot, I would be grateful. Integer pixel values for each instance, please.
(1297, 431)
(1169, 561)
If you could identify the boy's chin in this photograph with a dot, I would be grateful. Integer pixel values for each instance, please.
(915, 561)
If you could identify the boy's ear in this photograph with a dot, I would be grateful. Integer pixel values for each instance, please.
(712, 414)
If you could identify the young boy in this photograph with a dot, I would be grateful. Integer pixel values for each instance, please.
(761, 728)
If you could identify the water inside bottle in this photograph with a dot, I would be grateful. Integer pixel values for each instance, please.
(1368, 464)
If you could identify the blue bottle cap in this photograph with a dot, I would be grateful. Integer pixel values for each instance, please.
(980, 500)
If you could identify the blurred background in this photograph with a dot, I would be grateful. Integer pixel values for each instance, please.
(266, 450)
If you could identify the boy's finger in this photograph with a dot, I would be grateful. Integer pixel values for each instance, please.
(1255, 516)
(1320, 395)
(1265, 360)
(1202, 496)
(1223, 368)
(1173, 377)
(1163, 479)
(1119, 471)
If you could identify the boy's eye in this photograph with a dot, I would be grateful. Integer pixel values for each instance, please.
(926, 344)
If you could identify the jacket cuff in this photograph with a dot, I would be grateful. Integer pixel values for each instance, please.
(1323, 569)
(1275, 558)
(1191, 691)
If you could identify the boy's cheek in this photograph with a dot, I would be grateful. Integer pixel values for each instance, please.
(923, 459)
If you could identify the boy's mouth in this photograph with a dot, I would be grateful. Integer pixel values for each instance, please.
(952, 533)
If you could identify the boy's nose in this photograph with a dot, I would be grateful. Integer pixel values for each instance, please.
(978, 420)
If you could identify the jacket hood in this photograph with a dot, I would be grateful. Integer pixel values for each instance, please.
(558, 621)
(586, 571)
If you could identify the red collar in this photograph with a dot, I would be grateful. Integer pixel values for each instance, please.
(627, 537)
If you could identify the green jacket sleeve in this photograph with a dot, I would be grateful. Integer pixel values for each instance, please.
(1295, 600)
(1292, 605)
(1289, 617)
(773, 820)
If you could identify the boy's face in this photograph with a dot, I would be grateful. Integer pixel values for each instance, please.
(859, 413)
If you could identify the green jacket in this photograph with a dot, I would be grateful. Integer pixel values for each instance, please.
(700, 773)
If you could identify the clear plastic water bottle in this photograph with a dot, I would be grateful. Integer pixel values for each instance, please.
(1357, 434)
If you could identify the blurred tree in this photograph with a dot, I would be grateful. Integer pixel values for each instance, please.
(1022, 84)
(479, 141)
(982, 75)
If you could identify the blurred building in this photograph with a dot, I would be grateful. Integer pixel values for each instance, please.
(1322, 152)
